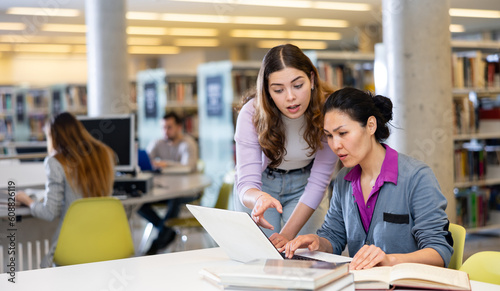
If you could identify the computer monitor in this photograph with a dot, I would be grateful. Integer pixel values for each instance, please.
(116, 131)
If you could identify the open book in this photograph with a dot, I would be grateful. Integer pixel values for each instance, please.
(278, 275)
(411, 275)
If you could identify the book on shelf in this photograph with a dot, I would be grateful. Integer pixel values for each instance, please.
(470, 161)
(274, 274)
(472, 206)
(473, 69)
(243, 80)
(347, 74)
(411, 275)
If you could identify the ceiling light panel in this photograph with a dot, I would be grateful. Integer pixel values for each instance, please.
(319, 45)
(43, 48)
(285, 34)
(12, 26)
(275, 3)
(5, 47)
(258, 33)
(292, 4)
(147, 30)
(258, 20)
(156, 50)
(43, 11)
(19, 38)
(196, 18)
(178, 31)
(346, 6)
(457, 28)
(134, 15)
(477, 13)
(79, 49)
(77, 28)
(314, 35)
(322, 22)
(143, 41)
(197, 42)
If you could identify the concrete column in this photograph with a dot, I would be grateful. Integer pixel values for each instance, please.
(108, 89)
(417, 43)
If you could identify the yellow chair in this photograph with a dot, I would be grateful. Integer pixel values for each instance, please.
(458, 234)
(179, 224)
(483, 266)
(93, 230)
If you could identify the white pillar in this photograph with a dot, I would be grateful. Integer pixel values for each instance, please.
(108, 89)
(417, 44)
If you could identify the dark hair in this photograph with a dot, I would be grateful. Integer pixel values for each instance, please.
(177, 118)
(360, 105)
(267, 117)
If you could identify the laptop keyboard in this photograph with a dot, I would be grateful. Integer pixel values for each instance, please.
(299, 257)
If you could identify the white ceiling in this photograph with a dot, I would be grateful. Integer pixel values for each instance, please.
(358, 20)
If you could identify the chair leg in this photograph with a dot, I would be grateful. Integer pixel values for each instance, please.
(145, 237)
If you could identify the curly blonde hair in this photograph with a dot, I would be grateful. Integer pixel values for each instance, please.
(267, 119)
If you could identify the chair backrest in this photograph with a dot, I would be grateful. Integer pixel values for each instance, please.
(225, 191)
(94, 229)
(483, 266)
(458, 234)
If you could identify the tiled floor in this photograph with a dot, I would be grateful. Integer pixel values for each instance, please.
(198, 238)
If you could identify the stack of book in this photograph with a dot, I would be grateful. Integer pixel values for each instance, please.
(273, 274)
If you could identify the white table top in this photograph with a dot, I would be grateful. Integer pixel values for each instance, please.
(25, 175)
(173, 271)
(165, 186)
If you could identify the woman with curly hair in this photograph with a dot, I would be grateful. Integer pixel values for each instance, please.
(283, 164)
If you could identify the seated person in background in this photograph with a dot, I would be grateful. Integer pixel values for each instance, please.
(387, 207)
(78, 166)
(174, 149)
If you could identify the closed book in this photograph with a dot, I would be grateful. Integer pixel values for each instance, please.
(274, 274)
(411, 275)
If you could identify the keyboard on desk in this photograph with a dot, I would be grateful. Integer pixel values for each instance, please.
(299, 257)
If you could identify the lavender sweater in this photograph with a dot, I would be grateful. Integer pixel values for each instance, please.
(251, 161)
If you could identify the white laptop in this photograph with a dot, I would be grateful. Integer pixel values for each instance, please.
(237, 234)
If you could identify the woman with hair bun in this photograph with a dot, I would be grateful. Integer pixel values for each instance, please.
(386, 206)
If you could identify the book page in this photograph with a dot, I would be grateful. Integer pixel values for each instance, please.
(440, 275)
(376, 274)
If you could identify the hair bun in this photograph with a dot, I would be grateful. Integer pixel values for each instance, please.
(384, 105)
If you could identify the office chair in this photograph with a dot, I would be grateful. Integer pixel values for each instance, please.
(200, 168)
(458, 234)
(483, 266)
(93, 230)
(181, 224)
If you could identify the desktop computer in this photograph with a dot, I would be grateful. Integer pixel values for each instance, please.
(133, 186)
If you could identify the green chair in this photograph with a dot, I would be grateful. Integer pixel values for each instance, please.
(458, 234)
(483, 266)
(93, 230)
(184, 223)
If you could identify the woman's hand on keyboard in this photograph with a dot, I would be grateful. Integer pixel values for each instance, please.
(310, 241)
(279, 241)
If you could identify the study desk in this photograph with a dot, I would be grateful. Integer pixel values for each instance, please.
(173, 271)
(165, 186)
(31, 229)
(24, 175)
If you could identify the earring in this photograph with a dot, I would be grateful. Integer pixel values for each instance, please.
(312, 88)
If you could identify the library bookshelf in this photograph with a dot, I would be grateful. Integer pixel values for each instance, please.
(476, 112)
